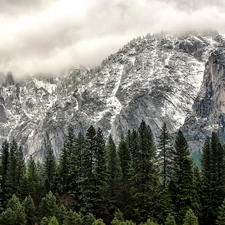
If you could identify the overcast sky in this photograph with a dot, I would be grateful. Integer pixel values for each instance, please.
(51, 36)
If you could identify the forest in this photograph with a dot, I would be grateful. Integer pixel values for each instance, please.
(144, 180)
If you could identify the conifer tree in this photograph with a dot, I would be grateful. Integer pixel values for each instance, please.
(30, 210)
(66, 163)
(72, 218)
(206, 181)
(75, 169)
(113, 174)
(221, 215)
(165, 154)
(125, 194)
(33, 177)
(170, 220)
(12, 170)
(87, 176)
(48, 206)
(181, 186)
(213, 182)
(145, 179)
(98, 222)
(190, 218)
(63, 170)
(14, 214)
(217, 175)
(44, 221)
(53, 221)
(4, 169)
(99, 174)
(50, 169)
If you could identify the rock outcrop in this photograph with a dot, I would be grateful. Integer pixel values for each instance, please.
(156, 78)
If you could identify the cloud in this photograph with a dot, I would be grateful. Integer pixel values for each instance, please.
(52, 36)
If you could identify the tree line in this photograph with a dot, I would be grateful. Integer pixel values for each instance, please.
(140, 181)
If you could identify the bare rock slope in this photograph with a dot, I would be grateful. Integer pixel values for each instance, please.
(156, 78)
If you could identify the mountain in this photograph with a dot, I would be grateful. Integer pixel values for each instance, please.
(157, 78)
(209, 106)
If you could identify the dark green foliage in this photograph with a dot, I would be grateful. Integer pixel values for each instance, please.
(4, 169)
(72, 218)
(44, 221)
(75, 169)
(113, 175)
(125, 193)
(61, 213)
(33, 180)
(190, 218)
(170, 220)
(181, 185)
(99, 173)
(63, 170)
(94, 180)
(165, 154)
(162, 206)
(98, 222)
(87, 176)
(50, 169)
(14, 214)
(48, 206)
(88, 219)
(213, 182)
(67, 172)
(145, 178)
(53, 221)
(12, 175)
(30, 210)
(221, 215)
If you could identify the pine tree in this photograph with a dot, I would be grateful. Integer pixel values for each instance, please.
(30, 210)
(125, 194)
(48, 206)
(206, 181)
(44, 221)
(221, 215)
(182, 185)
(113, 175)
(4, 169)
(98, 222)
(213, 182)
(63, 170)
(14, 214)
(99, 173)
(190, 218)
(32, 174)
(87, 176)
(61, 213)
(72, 218)
(170, 220)
(165, 154)
(145, 179)
(53, 221)
(217, 175)
(66, 159)
(50, 169)
(75, 170)
(12, 171)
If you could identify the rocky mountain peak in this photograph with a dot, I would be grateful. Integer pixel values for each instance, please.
(9, 79)
(155, 78)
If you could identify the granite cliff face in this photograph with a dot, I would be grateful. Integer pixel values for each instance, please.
(156, 78)
(209, 106)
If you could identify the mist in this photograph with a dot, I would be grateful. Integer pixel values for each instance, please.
(54, 36)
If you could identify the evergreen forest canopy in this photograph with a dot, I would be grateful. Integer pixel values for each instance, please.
(96, 183)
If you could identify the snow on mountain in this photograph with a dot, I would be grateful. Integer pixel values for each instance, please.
(156, 78)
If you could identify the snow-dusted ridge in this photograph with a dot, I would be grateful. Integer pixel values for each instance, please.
(155, 78)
